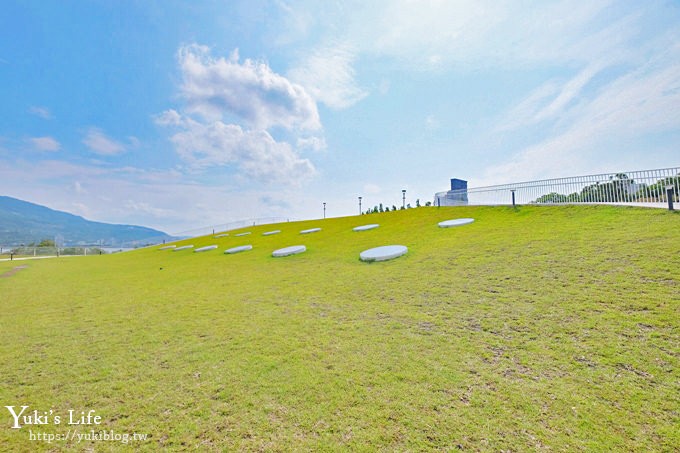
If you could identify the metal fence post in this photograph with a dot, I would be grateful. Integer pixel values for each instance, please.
(669, 195)
(513, 197)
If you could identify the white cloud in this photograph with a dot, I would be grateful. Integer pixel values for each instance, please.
(254, 152)
(329, 76)
(108, 194)
(432, 123)
(45, 143)
(600, 127)
(133, 142)
(78, 188)
(384, 86)
(42, 112)
(525, 111)
(146, 208)
(372, 189)
(313, 143)
(169, 118)
(425, 34)
(229, 107)
(435, 61)
(80, 209)
(568, 92)
(217, 87)
(440, 34)
(550, 100)
(275, 202)
(99, 143)
(169, 199)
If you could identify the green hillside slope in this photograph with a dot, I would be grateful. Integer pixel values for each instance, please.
(535, 328)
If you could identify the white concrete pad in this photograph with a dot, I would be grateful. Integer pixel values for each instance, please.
(269, 233)
(206, 248)
(223, 235)
(366, 227)
(455, 222)
(238, 249)
(292, 250)
(311, 230)
(167, 247)
(242, 234)
(384, 253)
(184, 247)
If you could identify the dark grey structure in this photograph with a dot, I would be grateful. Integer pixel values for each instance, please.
(457, 196)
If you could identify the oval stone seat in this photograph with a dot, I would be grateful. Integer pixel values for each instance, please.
(167, 247)
(384, 253)
(184, 247)
(455, 223)
(242, 234)
(241, 248)
(269, 233)
(311, 230)
(205, 249)
(366, 227)
(287, 251)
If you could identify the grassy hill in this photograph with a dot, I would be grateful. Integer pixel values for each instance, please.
(540, 327)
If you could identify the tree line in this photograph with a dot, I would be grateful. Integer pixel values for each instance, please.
(385, 208)
(620, 188)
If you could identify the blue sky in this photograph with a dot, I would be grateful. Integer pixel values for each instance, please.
(178, 115)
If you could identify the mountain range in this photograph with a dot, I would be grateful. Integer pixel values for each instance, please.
(22, 222)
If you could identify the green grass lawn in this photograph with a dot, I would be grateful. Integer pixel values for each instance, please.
(536, 328)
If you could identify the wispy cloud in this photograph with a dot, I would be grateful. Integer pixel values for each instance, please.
(42, 112)
(432, 123)
(275, 202)
(44, 143)
(372, 189)
(329, 76)
(549, 100)
(99, 143)
(146, 208)
(637, 104)
(78, 188)
(611, 77)
(313, 143)
(169, 200)
(479, 33)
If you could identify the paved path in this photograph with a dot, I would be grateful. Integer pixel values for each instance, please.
(31, 258)
(11, 272)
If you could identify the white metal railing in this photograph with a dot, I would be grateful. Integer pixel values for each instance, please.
(213, 229)
(637, 188)
(22, 251)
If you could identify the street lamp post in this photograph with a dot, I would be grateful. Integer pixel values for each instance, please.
(359, 205)
(403, 198)
(324, 209)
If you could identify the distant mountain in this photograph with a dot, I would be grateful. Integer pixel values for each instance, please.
(22, 222)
